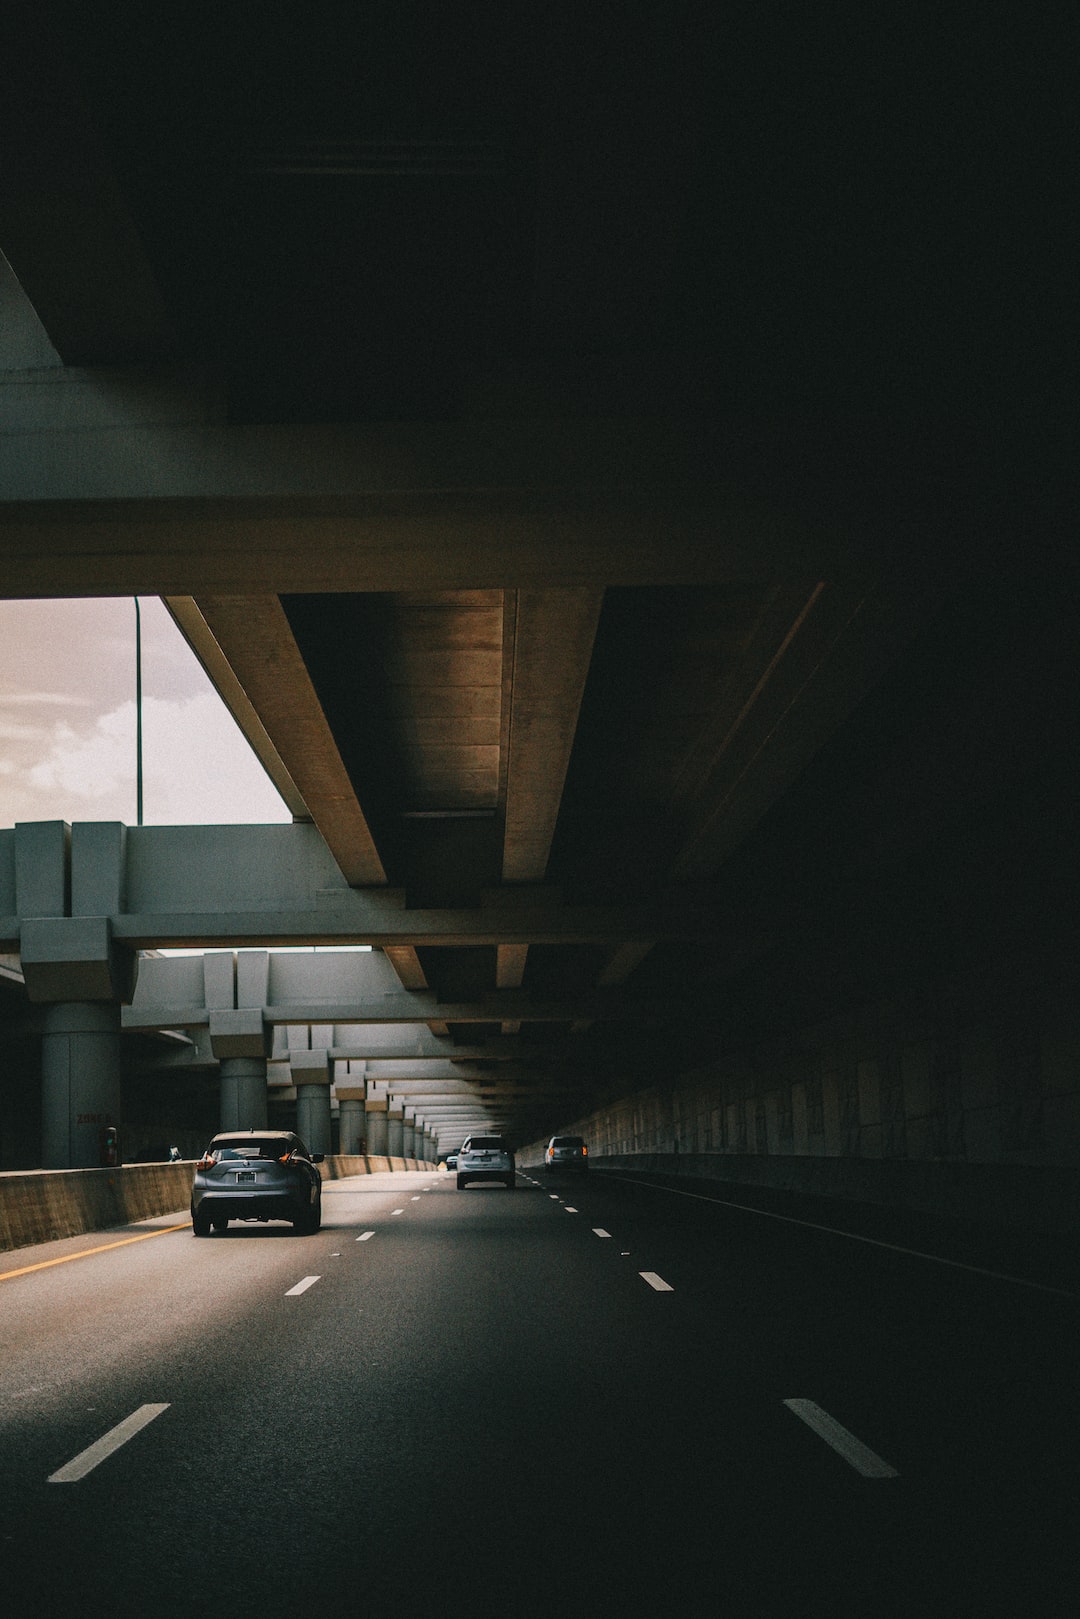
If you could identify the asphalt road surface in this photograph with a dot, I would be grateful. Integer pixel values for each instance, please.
(581, 1398)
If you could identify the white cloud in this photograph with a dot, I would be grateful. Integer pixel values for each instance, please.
(20, 731)
(197, 768)
(28, 699)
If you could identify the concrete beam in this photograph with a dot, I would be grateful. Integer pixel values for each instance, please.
(554, 631)
(406, 1008)
(361, 922)
(266, 665)
(228, 886)
(377, 1042)
(161, 508)
(200, 638)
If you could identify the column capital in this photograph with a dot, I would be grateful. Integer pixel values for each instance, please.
(73, 958)
(238, 1033)
(310, 1067)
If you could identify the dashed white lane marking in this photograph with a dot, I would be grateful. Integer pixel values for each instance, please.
(397, 1211)
(365, 1236)
(598, 1231)
(301, 1287)
(854, 1452)
(655, 1281)
(554, 1196)
(416, 1197)
(569, 1210)
(96, 1453)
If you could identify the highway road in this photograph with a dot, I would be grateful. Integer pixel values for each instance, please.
(584, 1398)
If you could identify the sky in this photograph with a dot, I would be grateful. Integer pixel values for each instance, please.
(68, 732)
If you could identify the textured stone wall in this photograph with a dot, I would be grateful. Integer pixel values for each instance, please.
(979, 1105)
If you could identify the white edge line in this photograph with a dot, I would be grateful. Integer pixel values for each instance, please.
(656, 1282)
(852, 1236)
(89, 1458)
(301, 1287)
(855, 1453)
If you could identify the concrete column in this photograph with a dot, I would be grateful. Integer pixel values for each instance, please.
(395, 1121)
(313, 1117)
(311, 1076)
(240, 1041)
(243, 1093)
(375, 1122)
(80, 1082)
(408, 1135)
(351, 1121)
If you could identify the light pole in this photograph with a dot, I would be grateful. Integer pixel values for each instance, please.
(138, 716)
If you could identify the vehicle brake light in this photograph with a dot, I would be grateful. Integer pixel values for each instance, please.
(584, 1152)
(206, 1162)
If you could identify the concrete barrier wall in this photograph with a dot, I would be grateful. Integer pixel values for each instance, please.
(40, 1205)
(943, 1104)
(1008, 1197)
(43, 1205)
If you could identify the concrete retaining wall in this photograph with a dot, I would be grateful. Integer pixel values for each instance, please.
(1008, 1197)
(943, 1104)
(42, 1205)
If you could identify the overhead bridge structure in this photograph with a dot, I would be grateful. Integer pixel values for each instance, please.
(668, 667)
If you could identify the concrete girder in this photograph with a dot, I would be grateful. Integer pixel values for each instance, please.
(250, 887)
(264, 659)
(554, 631)
(444, 929)
(103, 502)
(438, 1072)
(548, 641)
(477, 1098)
(417, 1008)
(381, 1043)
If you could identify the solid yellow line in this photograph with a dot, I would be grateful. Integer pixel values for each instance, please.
(5, 1276)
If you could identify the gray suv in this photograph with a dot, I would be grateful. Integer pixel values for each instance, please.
(567, 1153)
(485, 1158)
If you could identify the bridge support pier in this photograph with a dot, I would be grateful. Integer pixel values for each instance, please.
(243, 1093)
(240, 1041)
(375, 1119)
(81, 1094)
(395, 1129)
(351, 1120)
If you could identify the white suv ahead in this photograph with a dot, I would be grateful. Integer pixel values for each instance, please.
(567, 1153)
(485, 1158)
